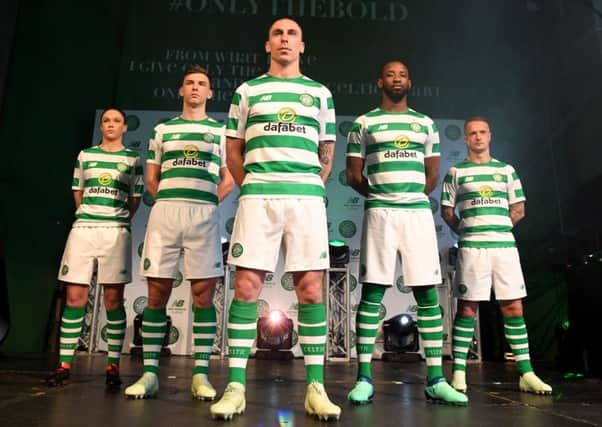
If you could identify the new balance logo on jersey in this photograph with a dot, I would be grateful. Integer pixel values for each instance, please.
(281, 127)
(189, 162)
(383, 127)
(266, 98)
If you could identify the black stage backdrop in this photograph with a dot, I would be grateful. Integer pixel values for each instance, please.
(532, 67)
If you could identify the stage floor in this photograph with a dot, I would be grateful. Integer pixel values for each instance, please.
(278, 387)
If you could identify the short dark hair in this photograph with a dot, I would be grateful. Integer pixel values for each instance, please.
(475, 119)
(384, 64)
(119, 110)
(196, 69)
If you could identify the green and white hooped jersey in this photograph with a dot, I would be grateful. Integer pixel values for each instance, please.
(394, 146)
(106, 180)
(483, 193)
(191, 153)
(282, 121)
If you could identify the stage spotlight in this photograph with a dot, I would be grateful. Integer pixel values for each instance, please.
(274, 331)
(339, 253)
(401, 334)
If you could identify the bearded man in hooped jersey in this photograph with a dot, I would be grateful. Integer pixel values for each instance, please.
(280, 142)
(400, 149)
(186, 173)
(490, 200)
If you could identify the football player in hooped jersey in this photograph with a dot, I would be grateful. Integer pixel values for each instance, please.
(107, 185)
(186, 173)
(400, 149)
(281, 133)
(490, 201)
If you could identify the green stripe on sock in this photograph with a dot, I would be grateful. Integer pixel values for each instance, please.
(372, 296)
(203, 315)
(113, 333)
(312, 314)
(241, 313)
(428, 305)
(514, 327)
(460, 347)
(69, 315)
(155, 316)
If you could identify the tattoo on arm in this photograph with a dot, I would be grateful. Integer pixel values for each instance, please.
(324, 153)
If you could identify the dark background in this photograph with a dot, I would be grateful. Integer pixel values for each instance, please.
(532, 67)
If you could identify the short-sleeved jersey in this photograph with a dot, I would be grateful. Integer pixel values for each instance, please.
(394, 146)
(190, 153)
(107, 179)
(282, 122)
(483, 193)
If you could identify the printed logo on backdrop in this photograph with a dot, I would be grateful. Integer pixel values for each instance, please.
(178, 306)
(174, 335)
(229, 225)
(343, 177)
(263, 308)
(412, 308)
(295, 338)
(293, 310)
(347, 228)
(440, 230)
(452, 132)
(133, 122)
(103, 333)
(140, 304)
(287, 282)
(329, 224)
(345, 128)
(140, 248)
(353, 203)
(178, 280)
(268, 281)
(352, 283)
(401, 287)
(434, 204)
(382, 312)
(354, 308)
(355, 254)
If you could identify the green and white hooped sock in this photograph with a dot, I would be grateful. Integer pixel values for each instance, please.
(154, 326)
(462, 338)
(71, 328)
(430, 327)
(311, 322)
(115, 334)
(204, 328)
(366, 326)
(515, 331)
(242, 330)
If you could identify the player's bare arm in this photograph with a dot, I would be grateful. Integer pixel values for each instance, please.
(326, 155)
(517, 212)
(226, 184)
(431, 166)
(235, 159)
(153, 175)
(449, 216)
(78, 195)
(355, 176)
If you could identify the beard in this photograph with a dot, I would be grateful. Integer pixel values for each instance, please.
(395, 95)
